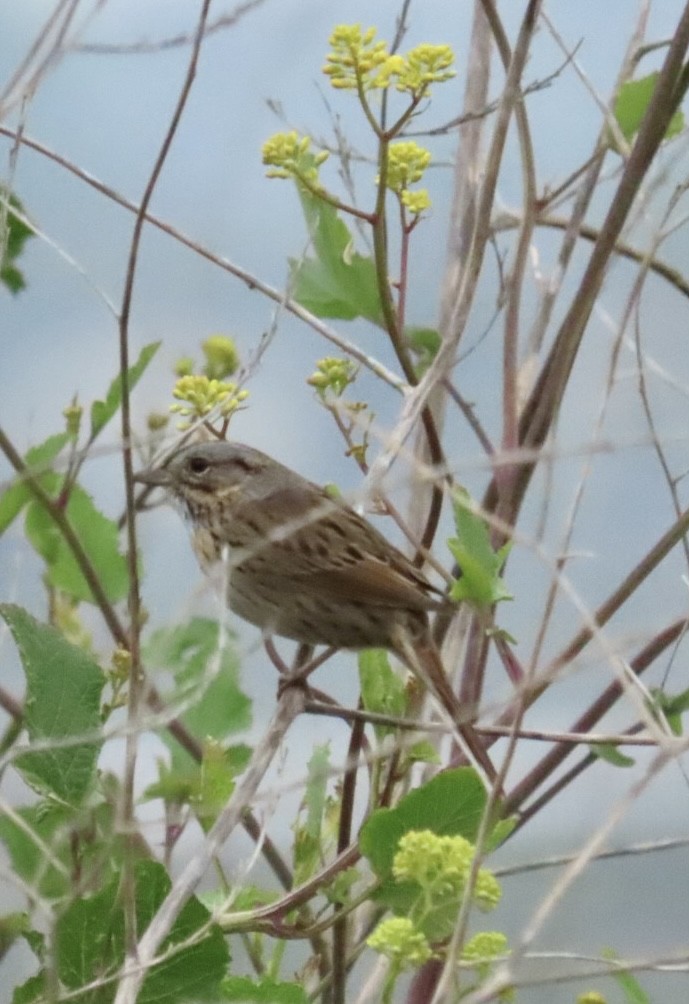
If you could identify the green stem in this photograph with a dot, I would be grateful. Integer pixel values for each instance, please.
(332, 200)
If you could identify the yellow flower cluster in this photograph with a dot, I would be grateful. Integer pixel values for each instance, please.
(441, 865)
(424, 65)
(334, 374)
(289, 155)
(416, 202)
(199, 396)
(222, 358)
(357, 60)
(398, 939)
(407, 162)
(484, 946)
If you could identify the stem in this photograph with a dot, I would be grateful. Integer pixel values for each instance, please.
(339, 963)
(126, 808)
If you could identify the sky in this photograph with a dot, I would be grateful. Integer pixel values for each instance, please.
(105, 105)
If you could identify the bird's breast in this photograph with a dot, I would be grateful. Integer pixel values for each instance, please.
(206, 547)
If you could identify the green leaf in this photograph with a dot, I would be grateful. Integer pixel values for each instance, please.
(423, 752)
(103, 411)
(611, 754)
(216, 784)
(382, 690)
(41, 825)
(244, 990)
(452, 803)
(338, 282)
(673, 706)
(632, 102)
(316, 785)
(34, 989)
(99, 537)
(13, 242)
(87, 835)
(424, 343)
(37, 460)
(12, 927)
(89, 942)
(26, 835)
(13, 278)
(63, 691)
(500, 832)
(207, 674)
(631, 988)
(480, 582)
(310, 837)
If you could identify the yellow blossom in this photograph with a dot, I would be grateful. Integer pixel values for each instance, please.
(423, 65)
(398, 939)
(407, 162)
(200, 396)
(416, 202)
(355, 58)
(222, 358)
(289, 155)
(334, 374)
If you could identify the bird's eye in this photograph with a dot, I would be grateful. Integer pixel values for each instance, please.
(198, 465)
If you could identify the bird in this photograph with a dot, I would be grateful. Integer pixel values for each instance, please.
(301, 564)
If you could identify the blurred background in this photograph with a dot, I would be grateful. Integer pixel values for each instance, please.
(105, 106)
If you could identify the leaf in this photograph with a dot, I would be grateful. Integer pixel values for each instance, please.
(480, 582)
(423, 752)
(244, 990)
(452, 803)
(317, 779)
(13, 242)
(89, 940)
(216, 784)
(500, 832)
(34, 989)
(337, 282)
(37, 460)
(424, 343)
(99, 537)
(631, 988)
(672, 706)
(382, 690)
(205, 672)
(63, 691)
(12, 927)
(86, 834)
(633, 101)
(23, 837)
(13, 278)
(103, 411)
(611, 754)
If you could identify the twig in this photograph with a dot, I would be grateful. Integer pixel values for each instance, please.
(504, 973)
(126, 806)
(249, 279)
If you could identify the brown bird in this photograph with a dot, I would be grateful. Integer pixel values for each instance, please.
(303, 565)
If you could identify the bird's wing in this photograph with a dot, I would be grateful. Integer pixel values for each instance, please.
(322, 543)
(370, 581)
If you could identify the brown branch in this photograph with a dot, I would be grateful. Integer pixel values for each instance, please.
(548, 391)
(622, 248)
(593, 714)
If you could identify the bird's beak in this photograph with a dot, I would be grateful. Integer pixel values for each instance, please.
(154, 476)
